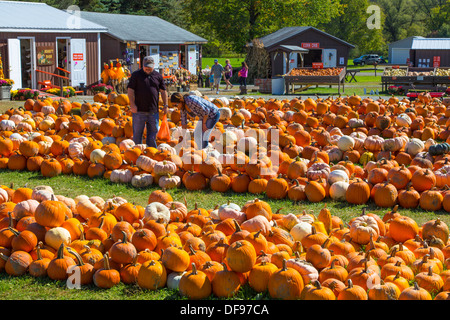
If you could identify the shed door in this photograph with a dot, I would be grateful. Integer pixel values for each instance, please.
(15, 65)
(399, 56)
(293, 62)
(154, 53)
(192, 59)
(329, 58)
(78, 62)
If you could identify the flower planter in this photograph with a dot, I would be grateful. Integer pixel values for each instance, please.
(5, 93)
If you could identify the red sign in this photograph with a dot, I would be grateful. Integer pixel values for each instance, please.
(395, 67)
(77, 57)
(310, 45)
(317, 65)
(436, 61)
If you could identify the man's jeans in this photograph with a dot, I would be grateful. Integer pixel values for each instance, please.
(201, 137)
(140, 121)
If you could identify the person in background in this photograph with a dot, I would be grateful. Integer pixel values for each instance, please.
(144, 87)
(217, 71)
(228, 74)
(195, 106)
(243, 73)
(199, 76)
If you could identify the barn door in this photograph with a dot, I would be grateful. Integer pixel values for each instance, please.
(15, 63)
(192, 59)
(78, 72)
(329, 58)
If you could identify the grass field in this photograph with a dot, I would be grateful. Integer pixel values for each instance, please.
(235, 62)
(27, 287)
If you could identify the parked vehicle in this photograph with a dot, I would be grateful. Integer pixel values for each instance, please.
(368, 59)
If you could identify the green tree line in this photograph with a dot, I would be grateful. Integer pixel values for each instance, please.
(229, 25)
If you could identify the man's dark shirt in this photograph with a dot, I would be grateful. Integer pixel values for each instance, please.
(146, 89)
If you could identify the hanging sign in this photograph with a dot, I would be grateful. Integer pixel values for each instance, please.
(436, 61)
(317, 65)
(45, 55)
(310, 45)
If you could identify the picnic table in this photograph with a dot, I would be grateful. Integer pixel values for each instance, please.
(352, 73)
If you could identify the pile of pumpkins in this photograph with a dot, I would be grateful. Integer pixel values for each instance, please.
(200, 252)
(345, 148)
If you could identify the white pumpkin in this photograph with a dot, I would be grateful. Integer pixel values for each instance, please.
(225, 113)
(42, 193)
(4, 196)
(246, 113)
(231, 205)
(169, 181)
(355, 123)
(166, 147)
(337, 175)
(300, 230)
(403, 120)
(247, 144)
(173, 280)
(346, 143)
(214, 215)
(7, 125)
(97, 156)
(80, 197)
(430, 142)
(256, 224)
(335, 154)
(157, 211)
(109, 140)
(121, 176)
(75, 149)
(145, 163)
(56, 236)
(126, 144)
(228, 138)
(414, 146)
(142, 180)
(16, 118)
(338, 190)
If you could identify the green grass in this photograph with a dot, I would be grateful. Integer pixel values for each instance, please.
(72, 186)
(27, 287)
(235, 62)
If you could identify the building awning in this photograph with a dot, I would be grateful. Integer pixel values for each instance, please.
(18, 16)
(144, 30)
(289, 49)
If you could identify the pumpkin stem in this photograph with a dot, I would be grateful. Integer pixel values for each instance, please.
(60, 254)
(194, 269)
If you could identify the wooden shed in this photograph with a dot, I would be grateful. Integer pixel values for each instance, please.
(132, 37)
(38, 41)
(321, 48)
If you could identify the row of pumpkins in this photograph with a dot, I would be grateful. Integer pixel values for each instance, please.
(346, 148)
(201, 252)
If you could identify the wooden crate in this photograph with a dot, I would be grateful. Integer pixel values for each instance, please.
(441, 79)
(307, 81)
(315, 79)
(265, 85)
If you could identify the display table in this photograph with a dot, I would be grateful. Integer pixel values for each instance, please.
(307, 77)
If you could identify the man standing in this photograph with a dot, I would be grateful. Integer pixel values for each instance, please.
(217, 70)
(143, 91)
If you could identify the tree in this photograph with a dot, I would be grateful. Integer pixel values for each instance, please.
(238, 22)
(352, 27)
